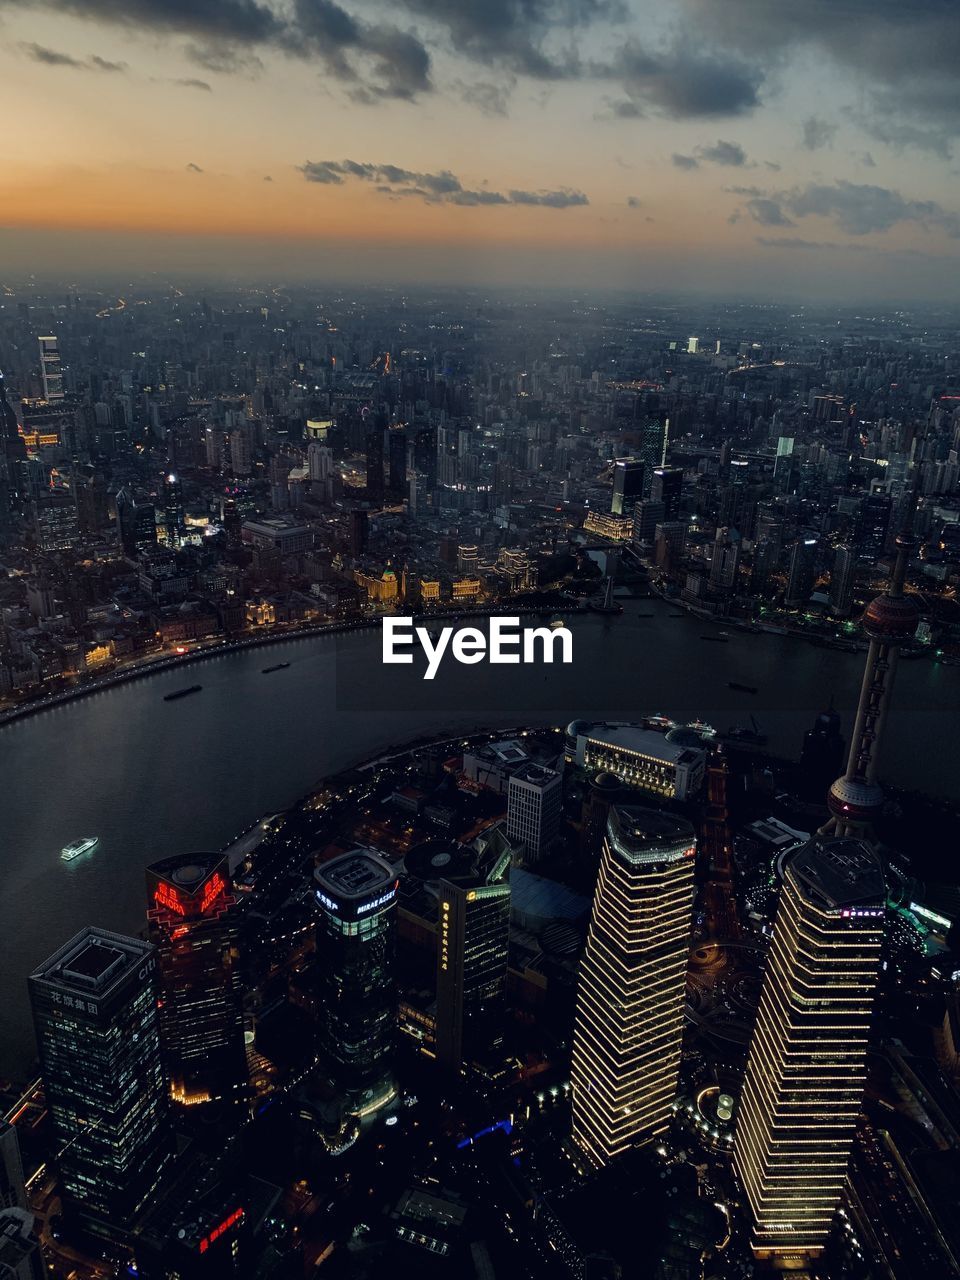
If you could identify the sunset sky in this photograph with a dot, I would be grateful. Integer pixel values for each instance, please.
(751, 145)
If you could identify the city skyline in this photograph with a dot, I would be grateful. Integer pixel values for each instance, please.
(760, 155)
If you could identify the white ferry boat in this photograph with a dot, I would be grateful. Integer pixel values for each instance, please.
(78, 847)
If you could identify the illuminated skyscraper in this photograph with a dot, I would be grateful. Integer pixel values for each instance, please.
(174, 520)
(97, 1025)
(629, 1021)
(357, 896)
(201, 1015)
(50, 369)
(807, 1065)
(473, 935)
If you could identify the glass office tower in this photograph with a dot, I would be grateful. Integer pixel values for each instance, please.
(807, 1064)
(629, 1022)
(357, 896)
(98, 1031)
(201, 1017)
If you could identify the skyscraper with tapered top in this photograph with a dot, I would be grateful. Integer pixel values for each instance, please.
(630, 999)
(807, 1063)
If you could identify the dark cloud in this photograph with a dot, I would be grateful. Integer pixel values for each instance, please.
(726, 153)
(683, 83)
(516, 35)
(441, 187)
(868, 161)
(104, 64)
(818, 133)
(234, 21)
(326, 172)
(768, 212)
(188, 82)
(860, 209)
(795, 242)
(634, 203)
(378, 60)
(51, 57)
(194, 168)
(563, 199)
(490, 99)
(904, 56)
(624, 109)
(222, 60)
(685, 162)
(477, 197)
(54, 58)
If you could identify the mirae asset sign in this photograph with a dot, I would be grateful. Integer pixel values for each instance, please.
(506, 643)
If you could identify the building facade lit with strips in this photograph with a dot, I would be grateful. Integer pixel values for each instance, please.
(630, 999)
(807, 1064)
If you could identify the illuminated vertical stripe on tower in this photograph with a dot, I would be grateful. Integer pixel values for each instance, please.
(807, 1064)
(630, 1001)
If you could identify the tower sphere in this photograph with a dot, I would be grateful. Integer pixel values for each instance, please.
(891, 619)
(854, 800)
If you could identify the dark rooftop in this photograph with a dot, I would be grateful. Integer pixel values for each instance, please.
(642, 834)
(353, 875)
(840, 872)
(93, 961)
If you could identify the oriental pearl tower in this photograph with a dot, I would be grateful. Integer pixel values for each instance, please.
(855, 799)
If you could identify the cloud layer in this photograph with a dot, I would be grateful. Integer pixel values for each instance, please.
(442, 187)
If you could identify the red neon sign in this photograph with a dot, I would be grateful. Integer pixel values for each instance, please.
(165, 896)
(217, 1232)
(211, 890)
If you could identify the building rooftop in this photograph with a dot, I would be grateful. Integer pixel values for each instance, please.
(92, 963)
(839, 873)
(649, 835)
(356, 875)
(535, 774)
(643, 742)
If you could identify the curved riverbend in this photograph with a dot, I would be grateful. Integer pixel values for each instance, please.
(153, 778)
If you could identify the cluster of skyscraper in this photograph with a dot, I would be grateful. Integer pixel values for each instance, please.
(806, 1067)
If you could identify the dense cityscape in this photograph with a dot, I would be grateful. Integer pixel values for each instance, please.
(638, 997)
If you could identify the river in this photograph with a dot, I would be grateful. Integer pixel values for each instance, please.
(154, 778)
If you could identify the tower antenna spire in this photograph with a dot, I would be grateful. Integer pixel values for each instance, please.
(855, 799)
